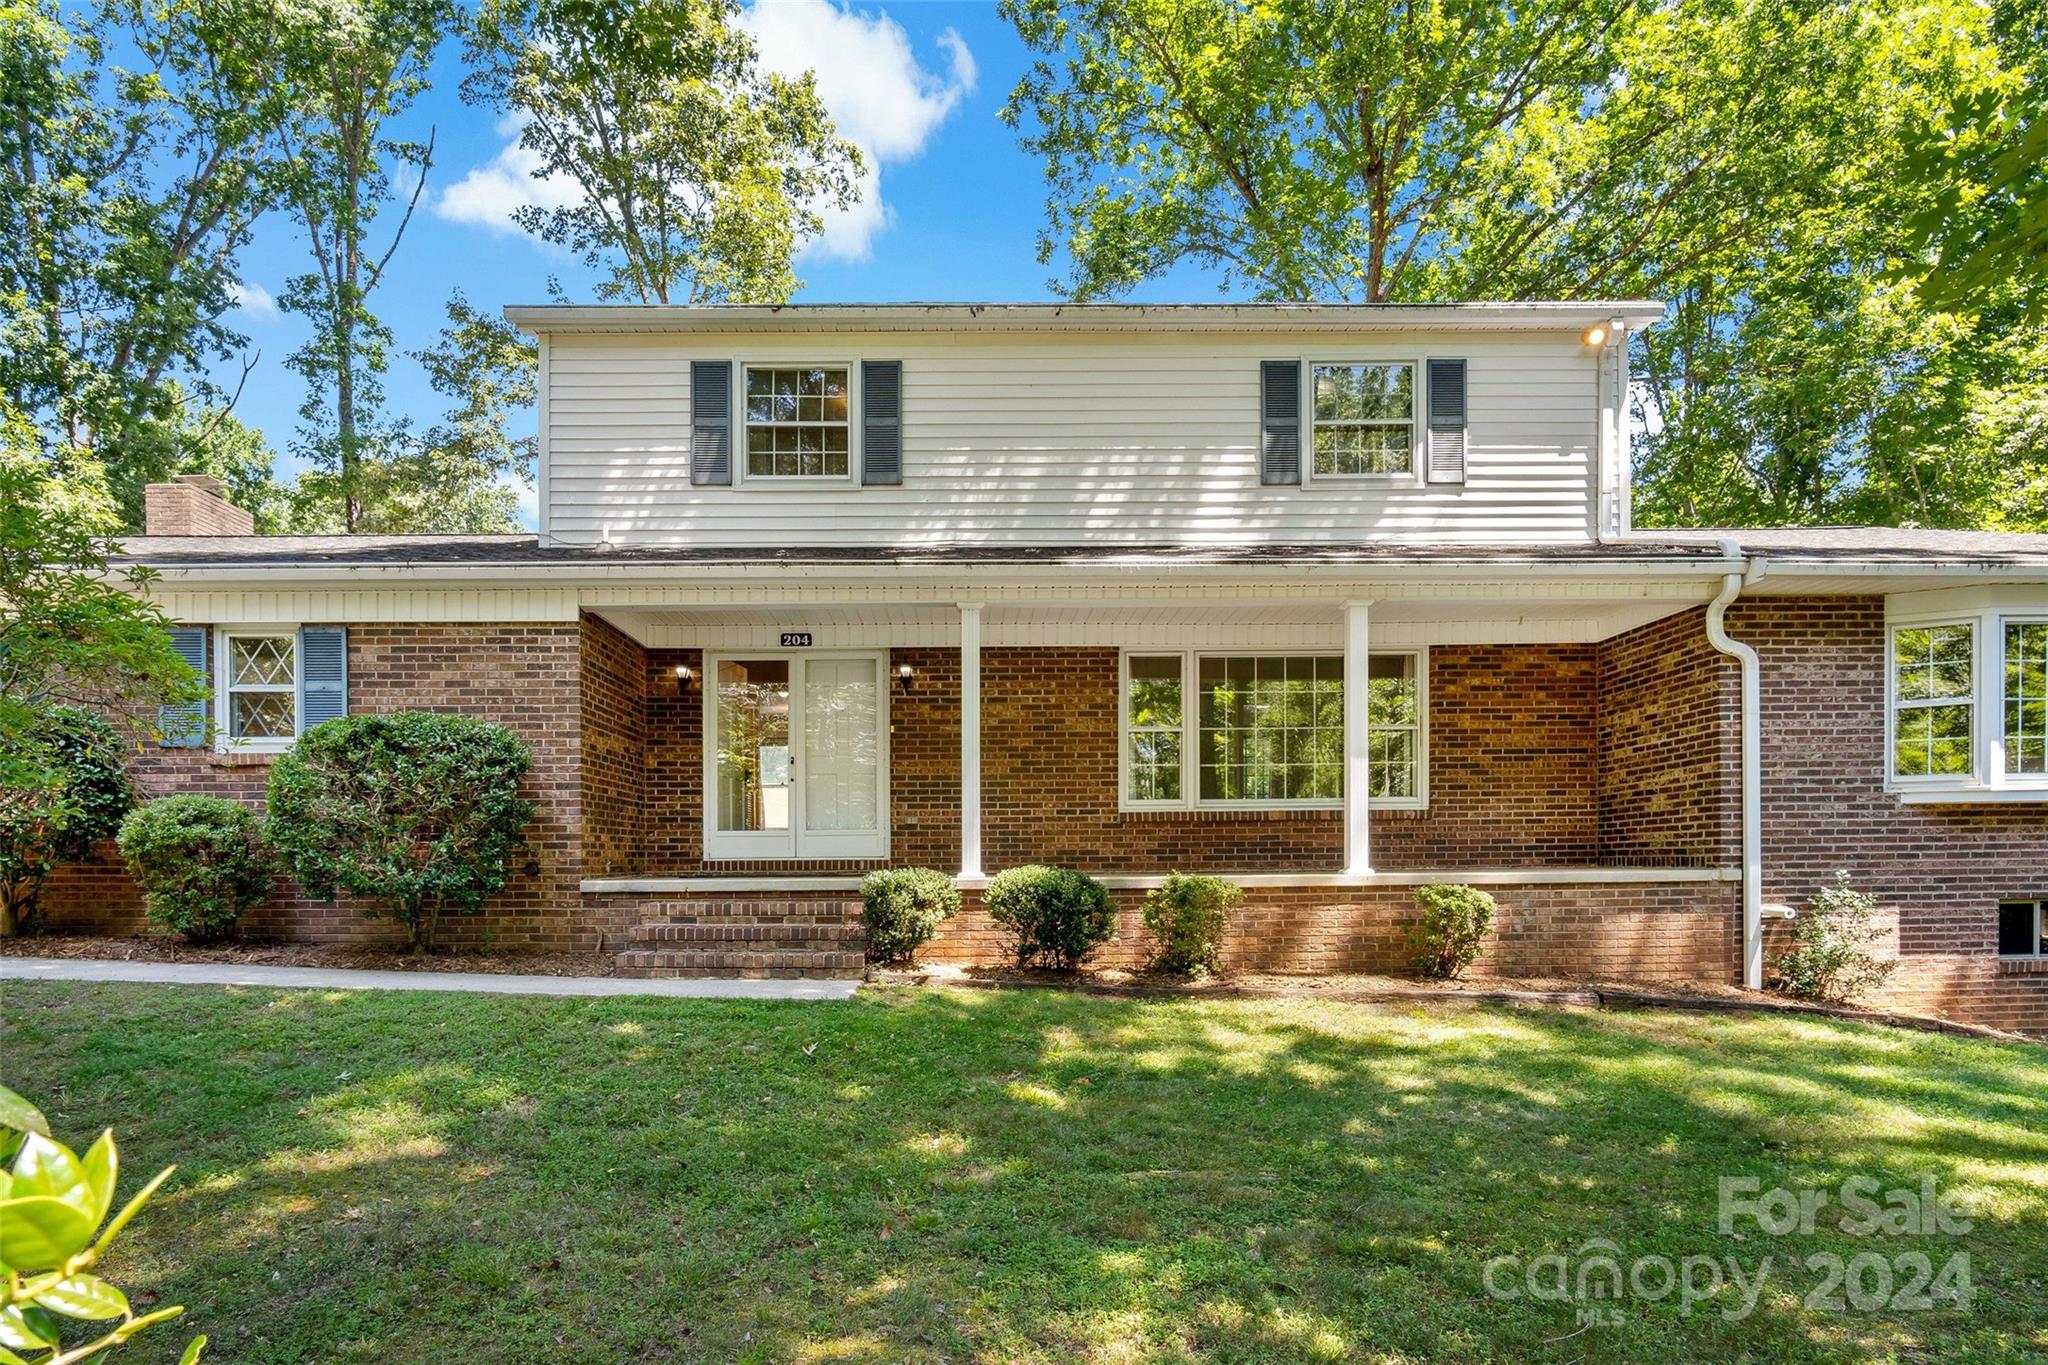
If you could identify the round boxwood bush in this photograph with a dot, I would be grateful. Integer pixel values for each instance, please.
(200, 861)
(416, 812)
(1448, 932)
(1059, 916)
(1187, 916)
(903, 907)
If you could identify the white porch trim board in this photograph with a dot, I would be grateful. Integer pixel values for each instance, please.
(1357, 743)
(970, 740)
(1254, 881)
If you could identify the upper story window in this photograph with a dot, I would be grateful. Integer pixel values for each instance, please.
(1969, 704)
(1364, 419)
(1266, 731)
(797, 422)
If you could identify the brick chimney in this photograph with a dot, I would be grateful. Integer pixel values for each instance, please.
(192, 505)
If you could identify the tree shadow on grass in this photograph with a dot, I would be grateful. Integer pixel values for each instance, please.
(1006, 1175)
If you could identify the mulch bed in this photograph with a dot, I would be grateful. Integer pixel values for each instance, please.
(256, 953)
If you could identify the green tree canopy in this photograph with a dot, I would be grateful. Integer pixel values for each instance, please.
(1743, 160)
(697, 174)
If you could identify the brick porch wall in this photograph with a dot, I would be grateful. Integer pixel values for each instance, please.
(1513, 772)
(1670, 756)
(1938, 871)
(613, 725)
(1670, 931)
(523, 676)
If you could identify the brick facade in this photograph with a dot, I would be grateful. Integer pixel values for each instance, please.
(523, 676)
(1622, 753)
(1938, 871)
(1670, 777)
(1513, 772)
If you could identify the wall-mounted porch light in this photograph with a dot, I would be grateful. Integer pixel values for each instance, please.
(686, 677)
(903, 676)
(1599, 332)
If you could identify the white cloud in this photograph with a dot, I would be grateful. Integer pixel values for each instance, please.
(882, 99)
(487, 196)
(872, 84)
(254, 300)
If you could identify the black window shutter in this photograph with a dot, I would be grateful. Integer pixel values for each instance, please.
(711, 422)
(323, 674)
(184, 727)
(881, 421)
(1280, 413)
(1447, 421)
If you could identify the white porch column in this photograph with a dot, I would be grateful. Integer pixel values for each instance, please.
(970, 739)
(1357, 751)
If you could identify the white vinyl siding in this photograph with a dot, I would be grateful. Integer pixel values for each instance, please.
(1028, 438)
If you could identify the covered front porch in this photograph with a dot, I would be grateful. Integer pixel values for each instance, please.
(1566, 740)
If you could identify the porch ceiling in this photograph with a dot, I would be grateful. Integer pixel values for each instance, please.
(1164, 624)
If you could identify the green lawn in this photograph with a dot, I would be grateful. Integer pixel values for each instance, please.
(1001, 1176)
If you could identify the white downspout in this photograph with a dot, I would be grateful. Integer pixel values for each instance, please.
(1752, 765)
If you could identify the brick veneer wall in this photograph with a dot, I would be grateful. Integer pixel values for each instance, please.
(613, 720)
(1670, 754)
(1939, 871)
(523, 676)
(1513, 771)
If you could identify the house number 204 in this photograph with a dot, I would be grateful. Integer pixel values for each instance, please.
(796, 639)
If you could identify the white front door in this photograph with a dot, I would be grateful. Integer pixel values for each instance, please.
(796, 758)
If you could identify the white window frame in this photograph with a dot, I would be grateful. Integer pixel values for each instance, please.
(1987, 615)
(1417, 409)
(2003, 774)
(1190, 731)
(740, 472)
(223, 692)
(2040, 914)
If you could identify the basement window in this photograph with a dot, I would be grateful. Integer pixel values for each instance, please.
(2023, 929)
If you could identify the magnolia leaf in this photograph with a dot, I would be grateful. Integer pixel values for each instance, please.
(41, 1233)
(192, 1351)
(17, 1331)
(48, 1168)
(102, 1166)
(17, 1113)
(8, 1357)
(84, 1296)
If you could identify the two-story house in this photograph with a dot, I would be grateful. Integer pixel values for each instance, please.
(1333, 600)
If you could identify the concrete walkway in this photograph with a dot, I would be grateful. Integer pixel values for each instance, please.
(346, 979)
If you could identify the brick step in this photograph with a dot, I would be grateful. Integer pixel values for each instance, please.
(799, 934)
(753, 912)
(708, 962)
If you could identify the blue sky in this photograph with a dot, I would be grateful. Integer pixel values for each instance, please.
(952, 209)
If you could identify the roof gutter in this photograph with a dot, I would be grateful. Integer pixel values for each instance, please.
(1752, 761)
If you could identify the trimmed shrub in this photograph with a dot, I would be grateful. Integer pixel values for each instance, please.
(1830, 958)
(903, 907)
(1059, 916)
(200, 861)
(65, 788)
(1451, 924)
(417, 812)
(1187, 915)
